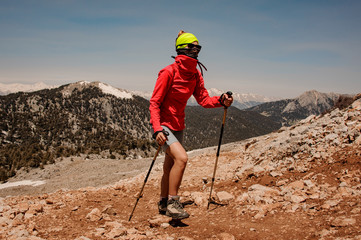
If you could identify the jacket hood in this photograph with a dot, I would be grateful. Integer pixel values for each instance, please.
(186, 64)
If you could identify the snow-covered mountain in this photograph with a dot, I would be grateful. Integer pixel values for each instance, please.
(19, 87)
(144, 94)
(105, 88)
(241, 100)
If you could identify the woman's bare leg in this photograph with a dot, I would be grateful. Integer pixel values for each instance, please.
(179, 156)
(174, 166)
(167, 166)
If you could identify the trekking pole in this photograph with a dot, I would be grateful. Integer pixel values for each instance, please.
(145, 181)
(218, 150)
(146, 178)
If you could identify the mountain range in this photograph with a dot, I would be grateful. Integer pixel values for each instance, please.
(96, 118)
(241, 100)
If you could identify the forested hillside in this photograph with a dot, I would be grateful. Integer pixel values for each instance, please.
(204, 125)
(40, 126)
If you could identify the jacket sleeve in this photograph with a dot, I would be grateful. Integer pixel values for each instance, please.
(161, 88)
(201, 95)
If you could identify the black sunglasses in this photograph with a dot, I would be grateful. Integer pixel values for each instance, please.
(191, 46)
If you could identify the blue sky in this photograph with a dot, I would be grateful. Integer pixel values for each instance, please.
(273, 48)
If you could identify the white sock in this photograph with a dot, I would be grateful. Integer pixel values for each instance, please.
(176, 197)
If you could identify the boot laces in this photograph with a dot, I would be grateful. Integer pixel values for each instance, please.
(177, 205)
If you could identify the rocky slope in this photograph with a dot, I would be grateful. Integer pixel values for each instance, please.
(302, 182)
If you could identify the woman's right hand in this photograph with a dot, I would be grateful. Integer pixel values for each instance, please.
(161, 138)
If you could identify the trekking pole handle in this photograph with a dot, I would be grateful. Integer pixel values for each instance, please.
(229, 94)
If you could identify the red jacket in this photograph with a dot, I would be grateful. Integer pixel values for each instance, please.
(175, 85)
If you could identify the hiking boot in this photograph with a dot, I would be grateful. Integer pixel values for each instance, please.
(175, 209)
(162, 206)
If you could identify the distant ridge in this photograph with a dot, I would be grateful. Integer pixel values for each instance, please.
(105, 88)
(289, 111)
(241, 100)
(19, 87)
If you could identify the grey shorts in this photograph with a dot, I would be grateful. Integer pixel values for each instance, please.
(174, 136)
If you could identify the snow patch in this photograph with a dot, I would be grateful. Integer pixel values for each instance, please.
(84, 83)
(114, 91)
(22, 183)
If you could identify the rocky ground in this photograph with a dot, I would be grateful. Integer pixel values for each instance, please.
(302, 182)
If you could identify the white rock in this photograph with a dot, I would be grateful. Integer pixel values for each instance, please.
(94, 215)
(82, 238)
(158, 220)
(275, 174)
(164, 225)
(298, 198)
(200, 199)
(308, 119)
(116, 233)
(224, 196)
(331, 137)
(343, 184)
(357, 104)
(259, 215)
(309, 183)
(343, 222)
(297, 185)
(332, 203)
(358, 140)
(225, 236)
(258, 169)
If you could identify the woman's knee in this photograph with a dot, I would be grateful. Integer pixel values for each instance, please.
(178, 154)
(181, 159)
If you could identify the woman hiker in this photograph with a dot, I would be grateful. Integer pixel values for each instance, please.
(176, 83)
